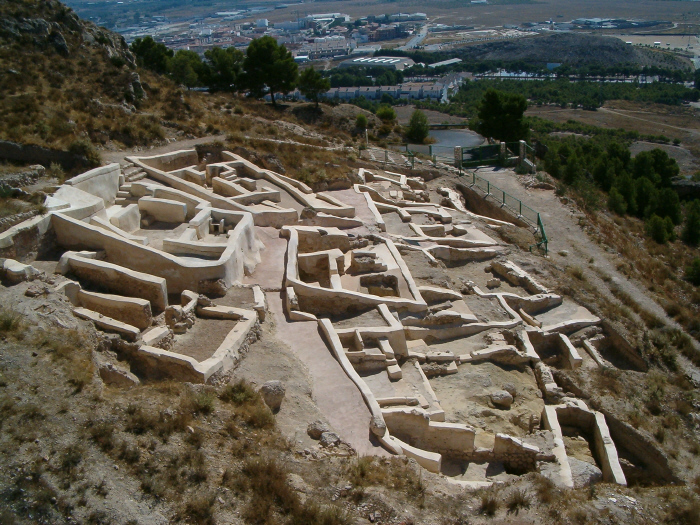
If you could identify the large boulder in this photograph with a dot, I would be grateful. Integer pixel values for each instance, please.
(502, 399)
(316, 429)
(273, 393)
(584, 473)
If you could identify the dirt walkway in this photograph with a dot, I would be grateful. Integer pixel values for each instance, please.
(565, 234)
(118, 156)
(335, 395)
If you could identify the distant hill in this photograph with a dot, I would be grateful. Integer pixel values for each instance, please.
(572, 48)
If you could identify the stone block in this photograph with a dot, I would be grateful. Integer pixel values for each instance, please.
(163, 210)
(127, 219)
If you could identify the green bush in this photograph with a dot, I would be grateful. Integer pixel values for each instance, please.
(418, 127)
(691, 228)
(692, 272)
(361, 122)
(386, 113)
(86, 149)
(660, 230)
(616, 202)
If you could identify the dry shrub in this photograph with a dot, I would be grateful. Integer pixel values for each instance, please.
(517, 500)
(389, 472)
(684, 512)
(239, 393)
(265, 480)
(162, 423)
(249, 406)
(199, 508)
(198, 403)
(10, 322)
(608, 379)
(489, 503)
(576, 272)
(102, 433)
(547, 492)
(73, 349)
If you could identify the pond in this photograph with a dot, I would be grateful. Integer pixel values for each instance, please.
(447, 139)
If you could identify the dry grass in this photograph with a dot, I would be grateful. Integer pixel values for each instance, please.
(490, 503)
(518, 499)
(11, 323)
(264, 481)
(393, 472)
(658, 268)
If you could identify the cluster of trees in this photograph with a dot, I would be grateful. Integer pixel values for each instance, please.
(563, 92)
(265, 67)
(639, 186)
(502, 116)
(417, 130)
(666, 74)
(545, 127)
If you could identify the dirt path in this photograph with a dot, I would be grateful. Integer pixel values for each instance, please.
(566, 235)
(118, 156)
(331, 390)
(654, 122)
(335, 395)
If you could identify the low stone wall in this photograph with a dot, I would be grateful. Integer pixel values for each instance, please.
(102, 182)
(413, 426)
(36, 154)
(623, 347)
(172, 161)
(22, 179)
(241, 255)
(130, 310)
(117, 278)
(8, 222)
(28, 239)
(158, 167)
(316, 299)
(642, 447)
(163, 210)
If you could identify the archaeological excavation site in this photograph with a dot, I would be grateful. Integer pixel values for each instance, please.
(392, 322)
(423, 333)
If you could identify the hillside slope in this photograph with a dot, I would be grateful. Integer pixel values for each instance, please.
(65, 80)
(574, 49)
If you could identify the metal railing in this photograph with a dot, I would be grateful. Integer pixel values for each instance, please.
(485, 155)
(515, 206)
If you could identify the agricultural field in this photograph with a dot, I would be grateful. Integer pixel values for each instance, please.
(680, 123)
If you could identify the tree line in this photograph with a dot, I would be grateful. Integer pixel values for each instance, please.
(564, 92)
(359, 76)
(265, 67)
(471, 65)
(639, 186)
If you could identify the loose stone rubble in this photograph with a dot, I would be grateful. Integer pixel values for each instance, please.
(149, 250)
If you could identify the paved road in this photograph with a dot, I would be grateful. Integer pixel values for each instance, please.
(416, 40)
